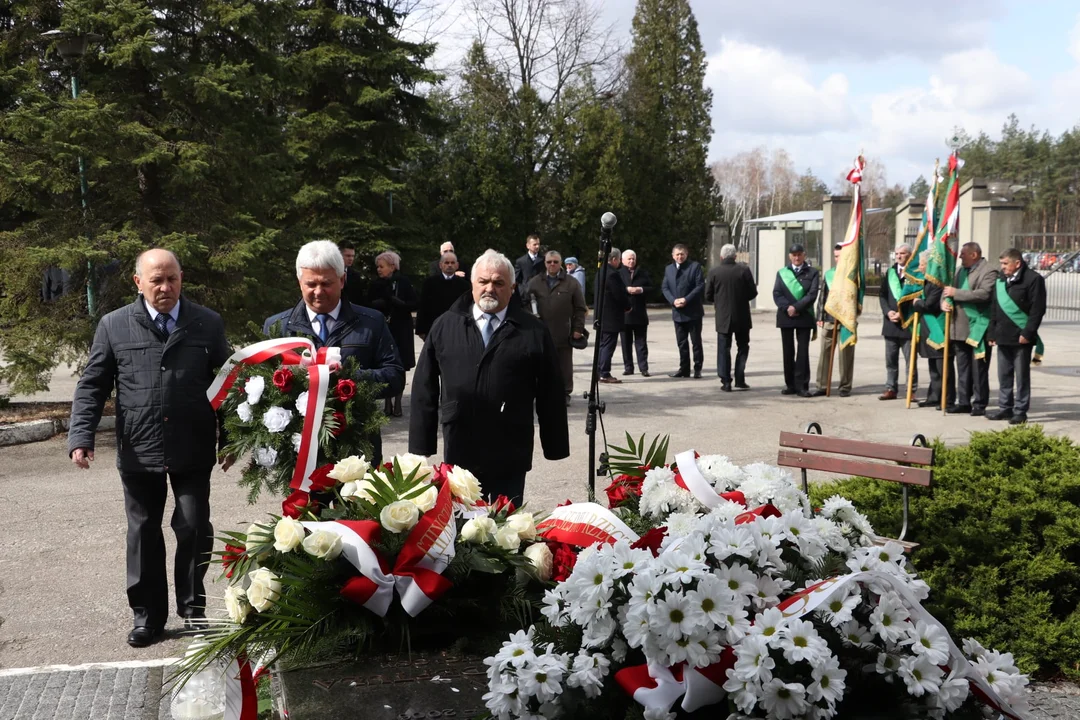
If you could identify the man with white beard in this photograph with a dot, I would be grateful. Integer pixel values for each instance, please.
(484, 367)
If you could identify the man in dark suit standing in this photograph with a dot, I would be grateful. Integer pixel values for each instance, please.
(439, 292)
(683, 287)
(636, 322)
(794, 293)
(897, 337)
(160, 353)
(356, 285)
(435, 268)
(615, 303)
(528, 265)
(929, 306)
(1018, 309)
(731, 287)
(484, 368)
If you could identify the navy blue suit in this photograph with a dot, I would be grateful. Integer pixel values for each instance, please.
(795, 332)
(688, 282)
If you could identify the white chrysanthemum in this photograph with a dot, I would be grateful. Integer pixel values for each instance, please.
(727, 510)
(588, 673)
(801, 643)
(731, 540)
(828, 682)
(675, 616)
(660, 496)
(753, 664)
(265, 457)
(276, 419)
(920, 675)
(838, 608)
(768, 624)
(245, 412)
(715, 600)
(681, 524)
(889, 618)
(855, 634)
(930, 640)
(721, 473)
(738, 578)
(783, 700)
(768, 591)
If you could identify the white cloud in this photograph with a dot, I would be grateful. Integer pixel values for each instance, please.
(759, 89)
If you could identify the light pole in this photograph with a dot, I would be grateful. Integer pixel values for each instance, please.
(72, 47)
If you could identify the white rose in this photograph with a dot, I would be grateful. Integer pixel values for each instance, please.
(244, 411)
(263, 590)
(408, 462)
(277, 419)
(478, 530)
(257, 534)
(323, 544)
(296, 442)
(523, 525)
(358, 489)
(349, 469)
(426, 500)
(540, 556)
(236, 604)
(464, 485)
(265, 457)
(301, 403)
(507, 538)
(397, 517)
(254, 388)
(288, 533)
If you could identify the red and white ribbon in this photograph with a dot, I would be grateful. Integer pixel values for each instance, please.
(584, 524)
(240, 700)
(374, 588)
(658, 687)
(319, 362)
(427, 552)
(691, 479)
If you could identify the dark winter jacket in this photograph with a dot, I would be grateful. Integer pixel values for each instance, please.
(525, 268)
(731, 287)
(436, 297)
(638, 314)
(560, 307)
(810, 279)
(1029, 293)
(890, 329)
(686, 282)
(616, 301)
(484, 397)
(928, 305)
(395, 298)
(164, 423)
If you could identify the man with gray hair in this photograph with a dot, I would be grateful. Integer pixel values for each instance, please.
(616, 301)
(971, 292)
(636, 325)
(326, 320)
(731, 287)
(160, 353)
(897, 335)
(485, 366)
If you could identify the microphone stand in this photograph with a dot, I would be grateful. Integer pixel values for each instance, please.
(596, 407)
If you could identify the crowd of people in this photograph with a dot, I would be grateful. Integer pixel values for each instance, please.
(496, 360)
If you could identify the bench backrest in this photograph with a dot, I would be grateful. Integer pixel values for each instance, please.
(832, 463)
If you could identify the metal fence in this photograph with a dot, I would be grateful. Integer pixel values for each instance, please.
(1056, 256)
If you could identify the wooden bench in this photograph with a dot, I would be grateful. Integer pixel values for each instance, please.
(884, 461)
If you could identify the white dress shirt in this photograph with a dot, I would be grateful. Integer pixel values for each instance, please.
(315, 324)
(480, 318)
(173, 314)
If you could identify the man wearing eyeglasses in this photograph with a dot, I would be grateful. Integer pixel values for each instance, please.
(560, 303)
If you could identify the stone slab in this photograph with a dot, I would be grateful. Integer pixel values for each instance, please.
(39, 430)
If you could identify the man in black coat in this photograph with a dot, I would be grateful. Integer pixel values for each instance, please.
(328, 321)
(356, 285)
(1018, 307)
(528, 265)
(684, 287)
(794, 292)
(435, 268)
(636, 321)
(731, 287)
(897, 337)
(439, 292)
(160, 353)
(485, 366)
(929, 306)
(615, 302)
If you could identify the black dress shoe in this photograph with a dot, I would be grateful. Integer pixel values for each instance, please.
(978, 412)
(999, 415)
(845, 393)
(697, 374)
(807, 393)
(679, 373)
(645, 373)
(726, 387)
(1018, 419)
(787, 391)
(742, 386)
(957, 409)
(930, 403)
(817, 393)
(628, 372)
(143, 636)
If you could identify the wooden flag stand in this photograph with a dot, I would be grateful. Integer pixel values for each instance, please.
(913, 357)
(832, 354)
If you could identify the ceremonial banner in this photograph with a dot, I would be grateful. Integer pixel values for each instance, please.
(849, 282)
(941, 267)
(913, 277)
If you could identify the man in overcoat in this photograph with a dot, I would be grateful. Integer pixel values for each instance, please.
(561, 305)
(439, 292)
(615, 302)
(794, 292)
(730, 287)
(635, 333)
(684, 288)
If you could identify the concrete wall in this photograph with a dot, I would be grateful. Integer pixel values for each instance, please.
(987, 220)
(836, 214)
(719, 235)
(908, 213)
(772, 255)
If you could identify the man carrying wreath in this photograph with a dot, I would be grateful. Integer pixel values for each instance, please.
(327, 321)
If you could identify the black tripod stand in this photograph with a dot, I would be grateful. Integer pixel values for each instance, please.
(596, 406)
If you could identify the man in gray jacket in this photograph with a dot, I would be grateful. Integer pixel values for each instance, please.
(160, 353)
(971, 294)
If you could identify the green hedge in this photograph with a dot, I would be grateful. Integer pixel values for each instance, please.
(1000, 542)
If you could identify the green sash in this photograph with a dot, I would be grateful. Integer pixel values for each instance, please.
(1018, 316)
(978, 320)
(895, 287)
(795, 288)
(829, 274)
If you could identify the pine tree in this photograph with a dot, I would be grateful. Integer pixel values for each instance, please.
(668, 128)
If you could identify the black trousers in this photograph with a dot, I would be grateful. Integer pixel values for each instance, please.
(933, 395)
(796, 348)
(972, 376)
(893, 379)
(1014, 363)
(635, 338)
(723, 355)
(685, 334)
(147, 584)
(609, 339)
(502, 482)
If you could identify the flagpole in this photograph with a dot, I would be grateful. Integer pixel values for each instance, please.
(945, 366)
(832, 354)
(913, 357)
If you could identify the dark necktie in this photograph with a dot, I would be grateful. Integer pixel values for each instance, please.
(324, 320)
(489, 329)
(162, 322)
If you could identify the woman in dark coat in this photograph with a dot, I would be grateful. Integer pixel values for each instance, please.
(392, 294)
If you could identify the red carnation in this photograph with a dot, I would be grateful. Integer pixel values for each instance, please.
(296, 504)
(229, 558)
(503, 503)
(563, 560)
(339, 417)
(283, 379)
(346, 390)
(651, 540)
(623, 488)
(320, 478)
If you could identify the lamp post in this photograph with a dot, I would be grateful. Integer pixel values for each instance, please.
(72, 47)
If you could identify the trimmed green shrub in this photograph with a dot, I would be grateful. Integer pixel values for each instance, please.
(999, 535)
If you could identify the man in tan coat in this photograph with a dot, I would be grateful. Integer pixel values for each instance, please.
(560, 303)
(971, 294)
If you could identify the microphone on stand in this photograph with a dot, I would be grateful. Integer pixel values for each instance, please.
(596, 406)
